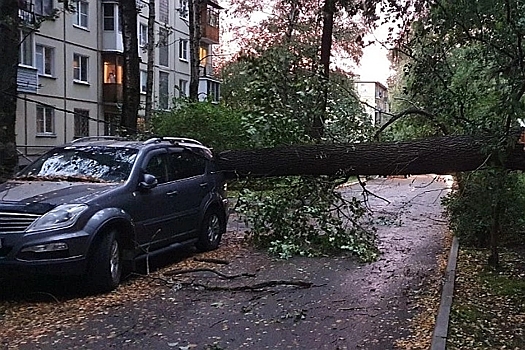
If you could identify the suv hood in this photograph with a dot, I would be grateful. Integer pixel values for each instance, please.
(41, 196)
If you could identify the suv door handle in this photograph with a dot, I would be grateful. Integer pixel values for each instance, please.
(204, 185)
(172, 193)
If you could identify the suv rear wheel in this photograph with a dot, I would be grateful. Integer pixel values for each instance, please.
(105, 269)
(211, 231)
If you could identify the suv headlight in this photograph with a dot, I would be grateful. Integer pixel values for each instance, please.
(62, 216)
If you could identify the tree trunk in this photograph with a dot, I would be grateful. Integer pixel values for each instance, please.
(195, 32)
(326, 50)
(151, 61)
(441, 155)
(9, 41)
(131, 81)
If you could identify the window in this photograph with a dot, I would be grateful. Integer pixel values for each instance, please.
(213, 18)
(377, 118)
(183, 49)
(82, 12)
(26, 48)
(45, 120)
(158, 167)
(111, 123)
(164, 14)
(183, 9)
(143, 35)
(43, 7)
(163, 47)
(183, 84)
(143, 81)
(80, 68)
(109, 17)
(185, 164)
(213, 90)
(163, 90)
(81, 123)
(45, 60)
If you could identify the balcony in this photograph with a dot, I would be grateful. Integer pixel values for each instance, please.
(210, 23)
(27, 79)
(112, 93)
(26, 13)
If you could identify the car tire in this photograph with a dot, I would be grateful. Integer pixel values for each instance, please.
(105, 270)
(211, 231)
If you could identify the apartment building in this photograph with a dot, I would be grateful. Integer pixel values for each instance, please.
(70, 71)
(375, 96)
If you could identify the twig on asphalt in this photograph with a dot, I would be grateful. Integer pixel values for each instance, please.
(220, 274)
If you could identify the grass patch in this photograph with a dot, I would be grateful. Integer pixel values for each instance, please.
(488, 310)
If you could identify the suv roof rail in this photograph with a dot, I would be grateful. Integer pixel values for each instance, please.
(98, 138)
(172, 140)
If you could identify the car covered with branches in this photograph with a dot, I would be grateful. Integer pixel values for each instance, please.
(97, 205)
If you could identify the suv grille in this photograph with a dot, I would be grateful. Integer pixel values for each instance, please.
(16, 222)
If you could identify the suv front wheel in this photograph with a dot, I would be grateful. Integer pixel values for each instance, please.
(211, 231)
(105, 268)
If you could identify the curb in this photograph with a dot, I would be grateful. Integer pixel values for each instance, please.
(439, 338)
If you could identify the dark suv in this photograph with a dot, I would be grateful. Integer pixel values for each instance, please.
(90, 206)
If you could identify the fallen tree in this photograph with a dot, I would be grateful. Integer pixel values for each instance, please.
(439, 155)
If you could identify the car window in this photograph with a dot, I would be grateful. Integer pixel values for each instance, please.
(108, 164)
(158, 167)
(186, 164)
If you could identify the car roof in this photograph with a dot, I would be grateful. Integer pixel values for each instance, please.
(115, 141)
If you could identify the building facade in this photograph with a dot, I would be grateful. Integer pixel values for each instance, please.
(375, 97)
(71, 68)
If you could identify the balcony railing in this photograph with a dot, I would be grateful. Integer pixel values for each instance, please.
(26, 13)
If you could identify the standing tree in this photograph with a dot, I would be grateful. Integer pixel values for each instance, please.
(151, 60)
(131, 81)
(9, 41)
(195, 17)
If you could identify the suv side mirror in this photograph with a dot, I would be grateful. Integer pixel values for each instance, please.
(148, 182)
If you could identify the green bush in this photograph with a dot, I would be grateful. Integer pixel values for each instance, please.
(470, 206)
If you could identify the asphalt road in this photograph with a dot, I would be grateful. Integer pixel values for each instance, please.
(349, 305)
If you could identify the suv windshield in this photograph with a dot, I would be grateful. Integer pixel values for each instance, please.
(96, 164)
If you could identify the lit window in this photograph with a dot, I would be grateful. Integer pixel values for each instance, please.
(45, 120)
(81, 13)
(45, 60)
(80, 68)
(183, 49)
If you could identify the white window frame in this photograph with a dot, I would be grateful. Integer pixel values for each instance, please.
(107, 17)
(46, 116)
(81, 16)
(80, 68)
(143, 81)
(183, 85)
(183, 49)
(143, 35)
(27, 49)
(45, 60)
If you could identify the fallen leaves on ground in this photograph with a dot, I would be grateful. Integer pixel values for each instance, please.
(488, 310)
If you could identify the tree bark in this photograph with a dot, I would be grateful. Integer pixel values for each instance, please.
(9, 41)
(131, 81)
(151, 61)
(195, 33)
(440, 155)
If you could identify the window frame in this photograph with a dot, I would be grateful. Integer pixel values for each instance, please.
(82, 67)
(183, 50)
(107, 17)
(81, 14)
(143, 35)
(47, 66)
(27, 49)
(164, 52)
(43, 7)
(80, 122)
(43, 113)
(143, 81)
(164, 103)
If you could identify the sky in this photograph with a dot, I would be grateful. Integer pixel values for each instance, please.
(374, 65)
